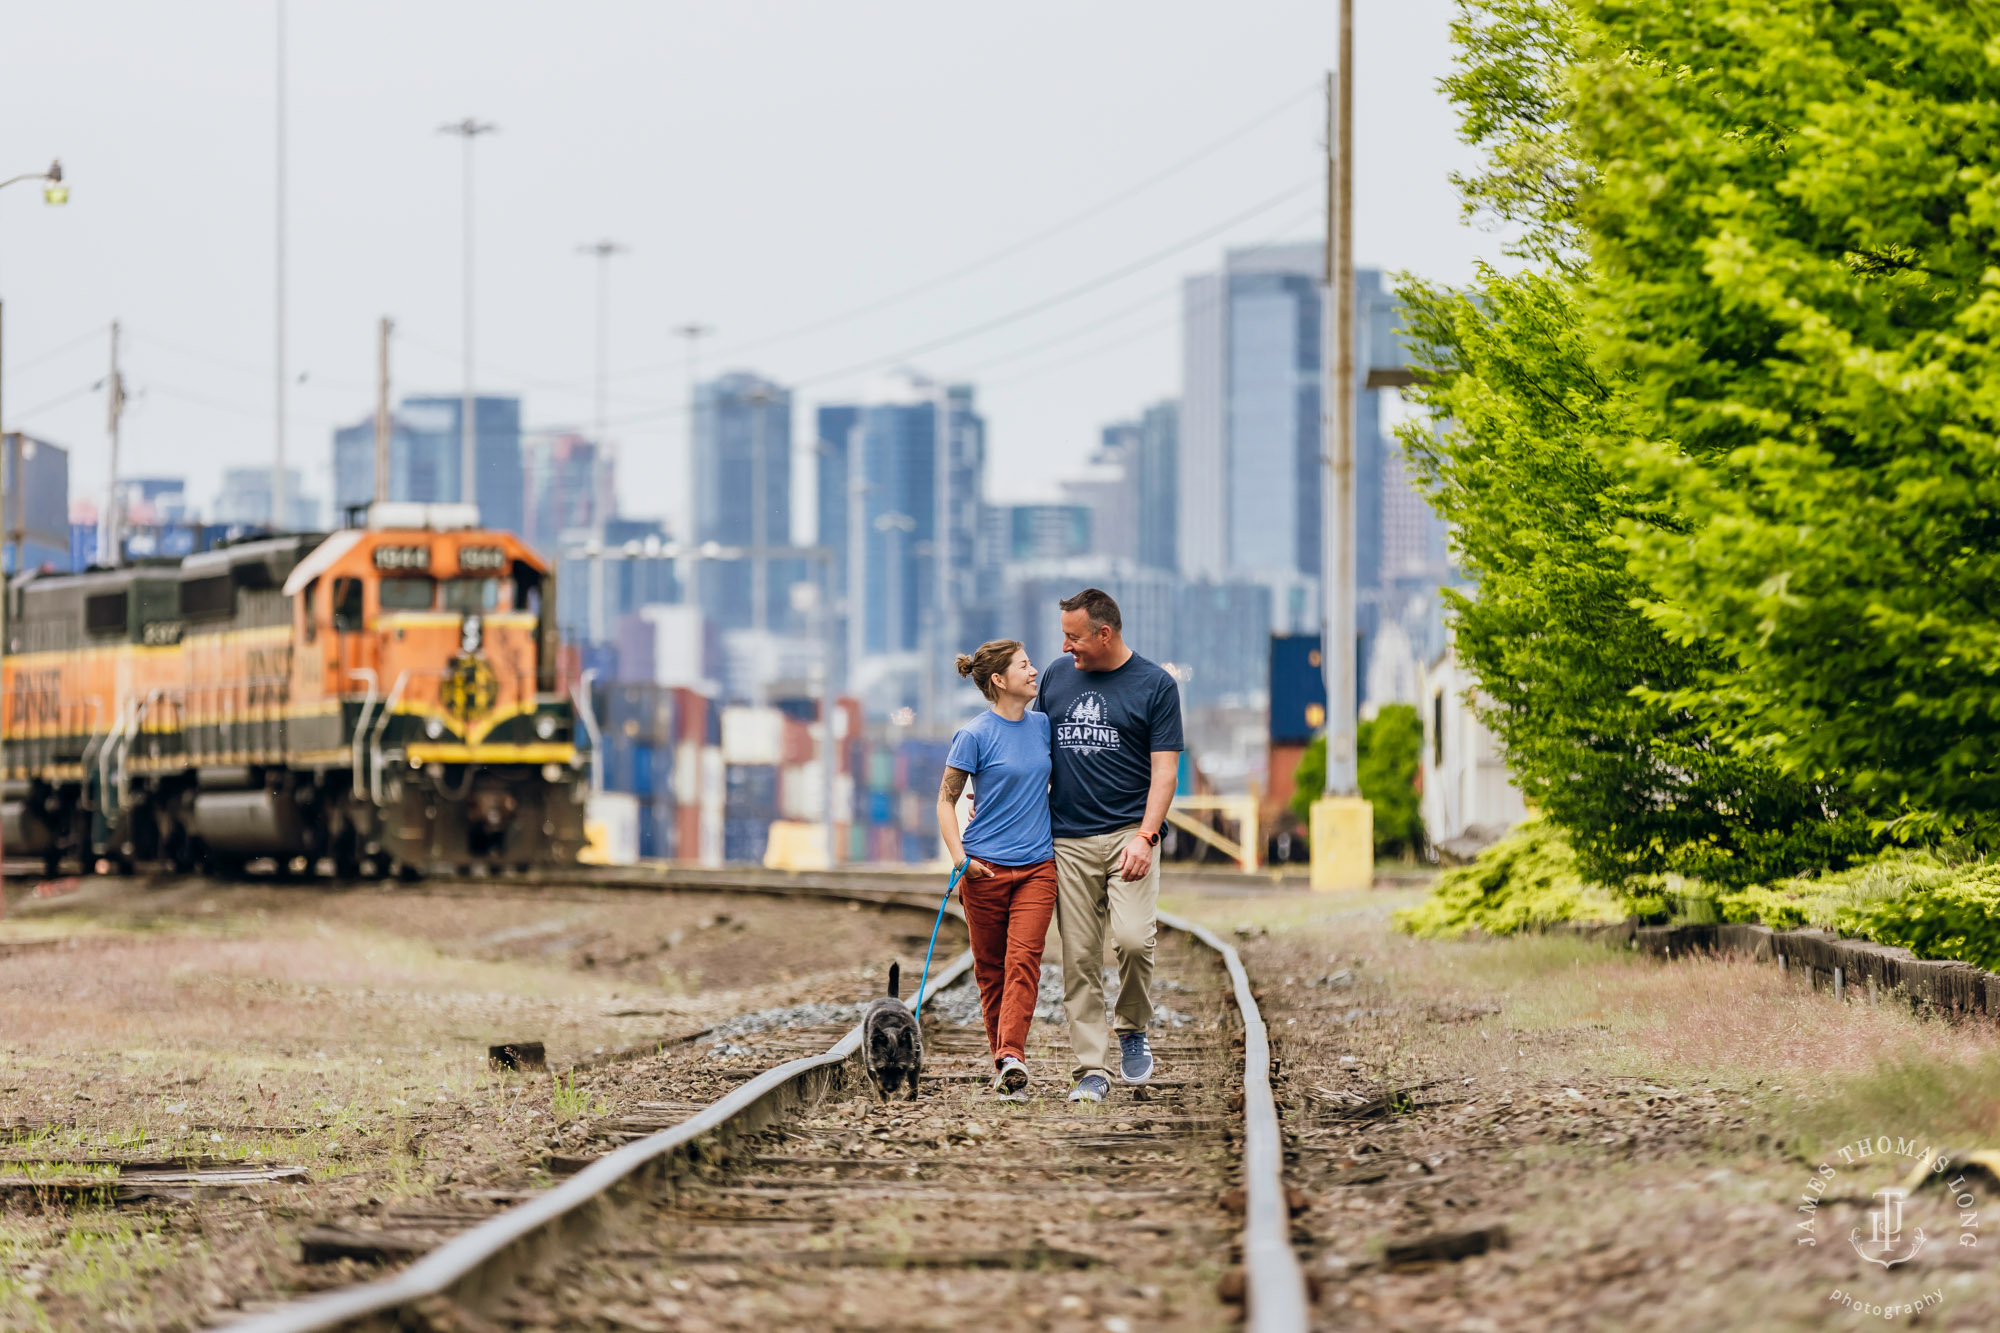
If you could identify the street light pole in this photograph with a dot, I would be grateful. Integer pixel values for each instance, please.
(694, 333)
(467, 130)
(278, 523)
(600, 500)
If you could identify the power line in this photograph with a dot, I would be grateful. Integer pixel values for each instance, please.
(89, 337)
(1016, 247)
(1033, 308)
(57, 401)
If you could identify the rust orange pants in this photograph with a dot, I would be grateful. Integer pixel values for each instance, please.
(1007, 914)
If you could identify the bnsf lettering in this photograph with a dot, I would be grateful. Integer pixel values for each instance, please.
(403, 557)
(268, 669)
(36, 698)
(481, 558)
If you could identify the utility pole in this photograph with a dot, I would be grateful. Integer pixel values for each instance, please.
(278, 332)
(108, 537)
(467, 130)
(1343, 844)
(382, 409)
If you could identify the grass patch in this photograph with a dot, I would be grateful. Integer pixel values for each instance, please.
(573, 1103)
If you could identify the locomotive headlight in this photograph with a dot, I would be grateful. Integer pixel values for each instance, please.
(433, 728)
(545, 725)
(552, 773)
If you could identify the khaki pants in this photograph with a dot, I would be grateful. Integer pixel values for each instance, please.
(1088, 893)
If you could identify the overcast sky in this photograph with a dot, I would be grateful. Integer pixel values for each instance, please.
(773, 167)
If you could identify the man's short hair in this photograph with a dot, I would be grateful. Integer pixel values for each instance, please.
(1097, 604)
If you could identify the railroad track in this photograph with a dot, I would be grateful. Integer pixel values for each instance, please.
(796, 1200)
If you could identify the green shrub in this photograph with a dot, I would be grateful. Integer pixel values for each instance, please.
(1957, 919)
(1390, 744)
(1526, 879)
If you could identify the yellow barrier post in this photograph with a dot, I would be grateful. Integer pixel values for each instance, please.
(1343, 843)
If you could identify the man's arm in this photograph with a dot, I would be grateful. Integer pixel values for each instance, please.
(1137, 860)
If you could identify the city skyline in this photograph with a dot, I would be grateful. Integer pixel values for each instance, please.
(375, 218)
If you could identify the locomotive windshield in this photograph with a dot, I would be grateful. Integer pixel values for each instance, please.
(408, 594)
(472, 596)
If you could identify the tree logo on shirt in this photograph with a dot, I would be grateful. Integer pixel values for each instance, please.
(1086, 728)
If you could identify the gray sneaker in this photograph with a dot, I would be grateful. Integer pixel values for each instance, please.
(1135, 1057)
(1090, 1088)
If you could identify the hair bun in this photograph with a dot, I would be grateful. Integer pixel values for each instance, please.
(965, 664)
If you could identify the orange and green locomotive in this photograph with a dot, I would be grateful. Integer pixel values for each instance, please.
(384, 698)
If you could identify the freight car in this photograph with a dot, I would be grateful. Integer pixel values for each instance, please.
(383, 697)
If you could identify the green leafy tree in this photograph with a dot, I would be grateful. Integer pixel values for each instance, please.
(1594, 700)
(1578, 683)
(1389, 748)
(1793, 213)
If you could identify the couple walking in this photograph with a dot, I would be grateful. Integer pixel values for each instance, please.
(1072, 770)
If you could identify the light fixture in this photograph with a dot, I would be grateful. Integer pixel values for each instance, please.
(545, 727)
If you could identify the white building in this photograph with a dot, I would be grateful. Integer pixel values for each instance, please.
(1469, 800)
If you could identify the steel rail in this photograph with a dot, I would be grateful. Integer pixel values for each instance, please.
(461, 1271)
(1274, 1283)
(456, 1270)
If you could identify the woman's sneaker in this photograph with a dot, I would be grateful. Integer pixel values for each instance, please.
(1013, 1075)
(1090, 1088)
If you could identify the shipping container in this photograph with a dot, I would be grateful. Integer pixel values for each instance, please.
(800, 793)
(744, 840)
(798, 743)
(752, 735)
(751, 792)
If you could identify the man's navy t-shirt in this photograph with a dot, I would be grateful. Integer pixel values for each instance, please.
(1107, 725)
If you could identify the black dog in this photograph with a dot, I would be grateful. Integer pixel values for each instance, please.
(892, 1046)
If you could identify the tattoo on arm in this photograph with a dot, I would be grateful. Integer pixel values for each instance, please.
(953, 785)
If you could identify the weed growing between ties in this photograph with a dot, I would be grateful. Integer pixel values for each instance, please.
(572, 1102)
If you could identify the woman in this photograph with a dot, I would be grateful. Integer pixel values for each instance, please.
(1009, 885)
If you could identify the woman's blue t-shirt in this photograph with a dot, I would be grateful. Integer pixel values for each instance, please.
(1009, 763)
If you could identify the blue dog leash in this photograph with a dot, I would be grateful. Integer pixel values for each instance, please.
(959, 869)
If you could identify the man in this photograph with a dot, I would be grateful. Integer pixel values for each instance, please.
(1116, 723)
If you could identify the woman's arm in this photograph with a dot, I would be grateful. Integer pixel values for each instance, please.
(949, 791)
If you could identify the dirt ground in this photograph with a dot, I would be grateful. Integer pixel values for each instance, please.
(959, 1209)
(1633, 1143)
(338, 1040)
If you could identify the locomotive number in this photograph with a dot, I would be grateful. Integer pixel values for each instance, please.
(403, 557)
(481, 558)
(161, 633)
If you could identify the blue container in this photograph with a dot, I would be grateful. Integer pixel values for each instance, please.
(744, 840)
(656, 830)
(1298, 688)
(642, 772)
(881, 807)
(751, 792)
(919, 847)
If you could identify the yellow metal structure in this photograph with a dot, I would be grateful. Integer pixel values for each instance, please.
(1247, 849)
(1343, 843)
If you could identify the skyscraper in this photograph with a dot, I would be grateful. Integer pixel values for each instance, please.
(891, 439)
(570, 485)
(1134, 488)
(425, 455)
(743, 469)
(1249, 422)
(245, 498)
